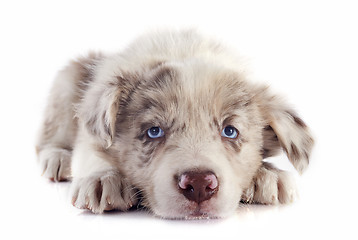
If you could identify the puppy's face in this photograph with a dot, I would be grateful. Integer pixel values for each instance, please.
(189, 138)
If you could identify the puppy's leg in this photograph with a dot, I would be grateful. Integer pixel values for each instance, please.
(97, 184)
(270, 186)
(59, 129)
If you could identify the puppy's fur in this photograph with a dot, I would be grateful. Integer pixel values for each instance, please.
(101, 106)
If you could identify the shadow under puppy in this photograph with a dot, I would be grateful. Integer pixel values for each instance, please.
(172, 119)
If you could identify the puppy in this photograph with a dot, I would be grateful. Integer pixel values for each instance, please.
(170, 123)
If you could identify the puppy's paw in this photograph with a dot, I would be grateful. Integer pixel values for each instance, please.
(55, 163)
(271, 186)
(103, 192)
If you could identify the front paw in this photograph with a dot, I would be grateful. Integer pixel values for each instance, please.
(103, 192)
(55, 164)
(271, 186)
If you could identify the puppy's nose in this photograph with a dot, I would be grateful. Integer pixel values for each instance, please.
(198, 186)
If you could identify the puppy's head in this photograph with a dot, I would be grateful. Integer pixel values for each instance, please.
(191, 136)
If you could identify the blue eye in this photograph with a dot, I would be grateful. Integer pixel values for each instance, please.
(155, 132)
(230, 132)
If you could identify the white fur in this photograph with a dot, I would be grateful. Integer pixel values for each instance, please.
(184, 82)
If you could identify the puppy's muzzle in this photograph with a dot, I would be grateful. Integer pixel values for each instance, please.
(198, 186)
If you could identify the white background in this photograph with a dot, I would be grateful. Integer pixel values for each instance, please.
(306, 50)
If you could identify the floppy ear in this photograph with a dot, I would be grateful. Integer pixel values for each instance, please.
(285, 130)
(98, 109)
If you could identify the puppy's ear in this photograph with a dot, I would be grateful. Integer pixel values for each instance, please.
(98, 109)
(284, 130)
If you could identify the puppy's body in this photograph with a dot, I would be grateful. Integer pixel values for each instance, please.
(171, 119)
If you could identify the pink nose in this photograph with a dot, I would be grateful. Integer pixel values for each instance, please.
(198, 186)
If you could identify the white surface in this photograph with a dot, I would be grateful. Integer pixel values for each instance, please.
(306, 50)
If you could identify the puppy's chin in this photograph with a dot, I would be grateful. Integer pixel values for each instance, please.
(188, 210)
(198, 214)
